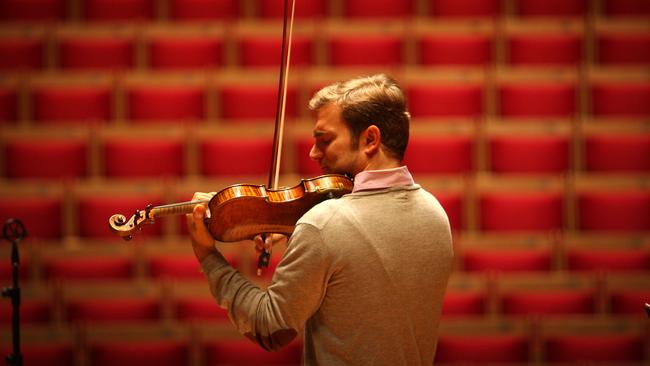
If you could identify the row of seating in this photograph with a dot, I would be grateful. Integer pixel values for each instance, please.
(184, 10)
(253, 45)
(250, 98)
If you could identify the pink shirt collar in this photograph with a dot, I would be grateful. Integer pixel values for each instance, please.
(385, 178)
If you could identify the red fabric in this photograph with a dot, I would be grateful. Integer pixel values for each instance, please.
(544, 49)
(521, 211)
(452, 202)
(21, 53)
(94, 212)
(620, 98)
(235, 156)
(72, 103)
(88, 268)
(483, 348)
(617, 153)
(46, 159)
(614, 210)
(8, 103)
(627, 8)
(264, 51)
(629, 301)
(245, 352)
(33, 10)
(455, 49)
(175, 266)
(377, 9)
(358, 50)
(537, 99)
(51, 353)
(118, 10)
(440, 154)
(461, 303)
(594, 347)
(255, 102)
(546, 302)
(108, 310)
(304, 9)
(193, 52)
(306, 166)
(165, 103)
(204, 9)
(430, 100)
(42, 216)
(203, 308)
(529, 154)
(134, 158)
(507, 260)
(624, 49)
(138, 352)
(553, 8)
(608, 259)
(32, 311)
(96, 53)
(465, 8)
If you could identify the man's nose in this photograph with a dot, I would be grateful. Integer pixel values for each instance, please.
(315, 153)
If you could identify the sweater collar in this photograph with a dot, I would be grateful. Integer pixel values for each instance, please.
(381, 179)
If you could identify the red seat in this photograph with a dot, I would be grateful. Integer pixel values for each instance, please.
(54, 353)
(141, 158)
(96, 52)
(465, 8)
(624, 49)
(617, 153)
(551, 8)
(626, 8)
(244, 352)
(451, 154)
(165, 102)
(46, 158)
(537, 99)
(482, 348)
(33, 10)
(118, 10)
(360, 50)
(625, 210)
(521, 211)
(7, 269)
(462, 303)
(314, 9)
(186, 52)
(198, 309)
(21, 53)
(588, 259)
(199, 10)
(138, 352)
(175, 266)
(108, 310)
(544, 49)
(507, 260)
(455, 49)
(8, 104)
(435, 100)
(41, 215)
(96, 210)
(452, 202)
(264, 51)
(255, 102)
(571, 348)
(548, 302)
(32, 311)
(630, 302)
(378, 9)
(219, 157)
(529, 154)
(88, 268)
(78, 103)
(620, 98)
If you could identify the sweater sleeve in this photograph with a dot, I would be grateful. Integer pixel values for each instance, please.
(274, 317)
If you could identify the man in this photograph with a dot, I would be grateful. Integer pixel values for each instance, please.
(363, 276)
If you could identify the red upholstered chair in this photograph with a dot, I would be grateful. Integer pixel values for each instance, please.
(41, 215)
(465, 8)
(544, 49)
(548, 302)
(138, 352)
(624, 49)
(364, 50)
(483, 348)
(108, 310)
(54, 158)
(21, 53)
(507, 260)
(174, 266)
(118, 10)
(96, 52)
(617, 153)
(551, 8)
(454, 49)
(201, 10)
(629, 302)
(620, 99)
(529, 154)
(244, 352)
(185, 52)
(141, 158)
(447, 154)
(464, 303)
(88, 267)
(73, 102)
(452, 202)
(32, 311)
(314, 9)
(32, 10)
(378, 9)
(612, 260)
(535, 99)
(240, 102)
(623, 210)
(165, 102)
(264, 51)
(626, 8)
(604, 347)
(521, 211)
(54, 353)
(199, 309)
(8, 104)
(235, 156)
(436, 100)
(305, 165)
(96, 209)
(6, 271)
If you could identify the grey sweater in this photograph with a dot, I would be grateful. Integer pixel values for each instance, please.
(363, 277)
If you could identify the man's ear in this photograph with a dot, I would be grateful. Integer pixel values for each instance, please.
(371, 138)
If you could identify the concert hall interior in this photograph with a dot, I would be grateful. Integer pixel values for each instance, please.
(530, 124)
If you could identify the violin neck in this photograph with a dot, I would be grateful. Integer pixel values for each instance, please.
(174, 209)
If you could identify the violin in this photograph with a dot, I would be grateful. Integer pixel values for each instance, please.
(244, 211)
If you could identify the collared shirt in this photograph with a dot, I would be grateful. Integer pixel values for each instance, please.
(385, 178)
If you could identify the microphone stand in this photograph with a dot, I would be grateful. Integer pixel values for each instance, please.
(14, 231)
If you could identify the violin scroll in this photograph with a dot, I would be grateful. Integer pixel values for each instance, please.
(126, 229)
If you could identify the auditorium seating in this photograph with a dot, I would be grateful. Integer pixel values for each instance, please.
(203, 10)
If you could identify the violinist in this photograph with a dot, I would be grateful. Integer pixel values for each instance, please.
(363, 276)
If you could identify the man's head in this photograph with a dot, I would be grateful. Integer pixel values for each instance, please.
(370, 107)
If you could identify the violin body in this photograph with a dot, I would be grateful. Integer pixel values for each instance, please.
(242, 211)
